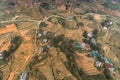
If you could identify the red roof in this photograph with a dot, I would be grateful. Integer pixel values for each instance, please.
(109, 65)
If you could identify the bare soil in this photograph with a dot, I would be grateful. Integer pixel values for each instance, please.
(11, 76)
(8, 28)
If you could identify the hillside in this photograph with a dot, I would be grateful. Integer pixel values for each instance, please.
(59, 39)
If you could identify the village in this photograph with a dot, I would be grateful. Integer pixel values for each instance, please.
(89, 55)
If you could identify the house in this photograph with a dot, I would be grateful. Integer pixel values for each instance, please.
(98, 64)
(111, 68)
(105, 28)
(45, 40)
(48, 46)
(93, 41)
(45, 32)
(94, 54)
(107, 60)
(24, 76)
(90, 34)
(106, 23)
(83, 46)
(77, 45)
(39, 35)
(41, 49)
(109, 65)
(70, 18)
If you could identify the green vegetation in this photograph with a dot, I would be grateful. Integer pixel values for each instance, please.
(38, 74)
(27, 11)
(22, 52)
(36, 60)
(107, 73)
(109, 4)
(2, 25)
(90, 17)
(106, 23)
(86, 0)
(61, 21)
(102, 33)
(15, 43)
(67, 47)
(2, 62)
(94, 47)
(1, 75)
(118, 68)
(95, 33)
(43, 24)
(53, 20)
(85, 34)
(80, 24)
(11, 4)
(45, 5)
(96, 77)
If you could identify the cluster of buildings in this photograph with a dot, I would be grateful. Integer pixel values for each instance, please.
(109, 65)
(106, 24)
(99, 57)
(44, 40)
(24, 76)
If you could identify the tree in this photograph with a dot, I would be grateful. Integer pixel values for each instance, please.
(15, 42)
(62, 22)
(90, 17)
(12, 4)
(95, 32)
(5, 54)
(1, 75)
(45, 5)
(57, 39)
(85, 34)
(43, 24)
(80, 24)
(107, 73)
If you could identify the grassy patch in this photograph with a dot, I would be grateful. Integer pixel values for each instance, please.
(2, 62)
(109, 4)
(90, 17)
(1, 75)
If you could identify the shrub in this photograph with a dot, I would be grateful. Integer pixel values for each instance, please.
(95, 32)
(107, 73)
(90, 17)
(111, 5)
(80, 24)
(43, 24)
(12, 4)
(45, 5)
(57, 39)
(85, 34)
(1, 75)
(62, 22)
(15, 43)
(106, 23)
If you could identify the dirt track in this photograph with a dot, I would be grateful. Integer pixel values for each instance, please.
(11, 76)
(5, 46)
